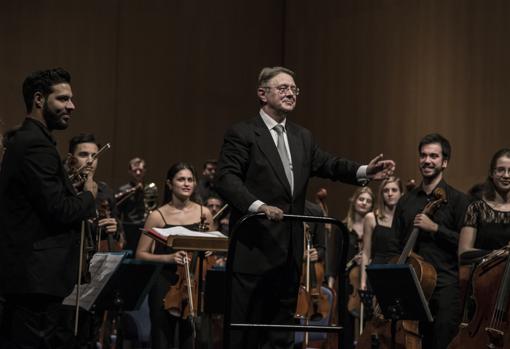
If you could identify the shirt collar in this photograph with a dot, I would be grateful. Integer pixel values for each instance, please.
(269, 121)
(441, 184)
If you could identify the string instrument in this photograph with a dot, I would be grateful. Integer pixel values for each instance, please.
(111, 243)
(78, 177)
(378, 329)
(312, 303)
(354, 304)
(320, 198)
(182, 298)
(490, 325)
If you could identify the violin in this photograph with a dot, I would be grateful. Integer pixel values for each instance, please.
(111, 243)
(378, 329)
(490, 325)
(312, 303)
(182, 298)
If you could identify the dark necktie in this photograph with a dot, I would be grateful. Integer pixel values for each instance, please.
(282, 150)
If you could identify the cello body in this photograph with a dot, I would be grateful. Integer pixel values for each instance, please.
(489, 327)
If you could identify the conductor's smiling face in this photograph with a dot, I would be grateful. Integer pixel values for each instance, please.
(280, 93)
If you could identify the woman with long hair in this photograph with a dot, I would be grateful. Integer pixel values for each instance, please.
(377, 233)
(487, 221)
(179, 209)
(360, 204)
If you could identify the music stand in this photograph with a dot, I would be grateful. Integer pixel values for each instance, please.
(399, 294)
(131, 283)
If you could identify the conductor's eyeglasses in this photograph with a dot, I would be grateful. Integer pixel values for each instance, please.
(282, 89)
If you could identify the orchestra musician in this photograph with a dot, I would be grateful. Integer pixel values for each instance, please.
(180, 209)
(215, 204)
(438, 237)
(131, 203)
(40, 217)
(486, 225)
(264, 166)
(486, 233)
(361, 203)
(377, 232)
(205, 187)
(82, 151)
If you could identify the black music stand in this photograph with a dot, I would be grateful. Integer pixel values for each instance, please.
(399, 294)
(130, 283)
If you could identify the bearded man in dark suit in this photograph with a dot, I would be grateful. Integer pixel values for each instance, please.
(40, 215)
(265, 165)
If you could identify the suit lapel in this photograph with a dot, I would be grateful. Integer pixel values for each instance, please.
(266, 144)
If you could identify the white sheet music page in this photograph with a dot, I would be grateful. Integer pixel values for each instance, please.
(185, 232)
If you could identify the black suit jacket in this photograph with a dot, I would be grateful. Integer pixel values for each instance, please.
(40, 216)
(250, 169)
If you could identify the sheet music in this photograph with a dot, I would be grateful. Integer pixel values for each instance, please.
(102, 267)
(182, 231)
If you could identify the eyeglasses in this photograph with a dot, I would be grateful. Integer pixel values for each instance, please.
(501, 171)
(282, 89)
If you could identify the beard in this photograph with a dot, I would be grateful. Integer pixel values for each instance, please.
(436, 171)
(54, 119)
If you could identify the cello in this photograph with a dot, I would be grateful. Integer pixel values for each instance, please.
(378, 330)
(490, 325)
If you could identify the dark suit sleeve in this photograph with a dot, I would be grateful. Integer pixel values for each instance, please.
(232, 167)
(325, 165)
(42, 174)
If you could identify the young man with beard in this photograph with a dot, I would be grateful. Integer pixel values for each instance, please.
(438, 237)
(265, 165)
(40, 216)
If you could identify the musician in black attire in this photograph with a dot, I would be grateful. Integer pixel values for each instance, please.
(40, 216)
(438, 237)
(131, 202)
(81, 150)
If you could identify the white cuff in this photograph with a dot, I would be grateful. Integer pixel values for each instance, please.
(254, 207)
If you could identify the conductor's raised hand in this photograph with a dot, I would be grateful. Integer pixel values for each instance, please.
(379, 169)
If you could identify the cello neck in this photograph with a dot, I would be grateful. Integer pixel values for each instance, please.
(408, 248)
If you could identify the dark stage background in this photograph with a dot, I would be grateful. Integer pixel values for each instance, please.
(163, 79)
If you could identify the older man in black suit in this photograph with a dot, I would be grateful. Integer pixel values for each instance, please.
(40, 215)
(264, 166)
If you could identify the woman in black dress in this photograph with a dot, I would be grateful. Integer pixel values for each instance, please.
(377, 233)
(487, 221)
(179, 210)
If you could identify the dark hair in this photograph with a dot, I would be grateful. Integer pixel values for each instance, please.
(81, 138)
(42, 81)
(438, 139)
(172, 172)
(268, 73)
(135, 161)
(476, 191)
(489, 188)
(210, 162)
(214, 196)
